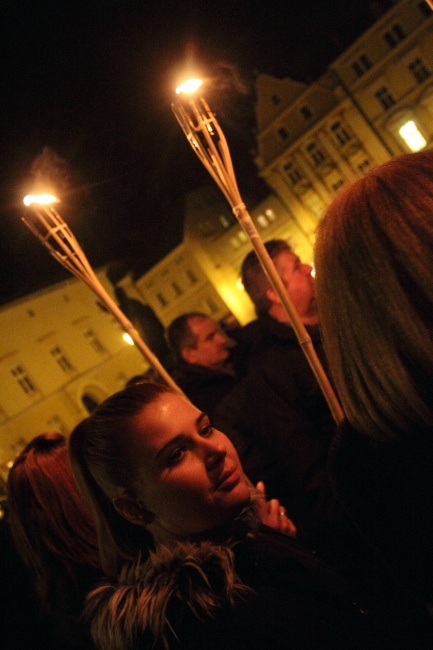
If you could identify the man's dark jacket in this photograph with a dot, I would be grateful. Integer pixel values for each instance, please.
(281, 424)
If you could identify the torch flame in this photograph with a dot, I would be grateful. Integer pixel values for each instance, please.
(189, 86)
(40, 198)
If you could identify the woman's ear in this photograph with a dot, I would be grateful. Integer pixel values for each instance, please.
(134, 511)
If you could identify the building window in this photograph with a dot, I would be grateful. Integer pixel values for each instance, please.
(394, 36)
(337, 184)
(24, 380)
(103, 307)
(162, 299)
(211, 305)
(57, 424)
(419, 70)
(243, 237)
(313, 202)
(270, 214)
(385, 98)
(94, 341)
(225, 221)
(341, 133)
(191, 276)
(64, 363)
(275, 100)
(361, 65)
(89, 402)
(176, 288)
(293, 173)
(364, 165)
(412, 136)
(283, 133)
(262, 221)
(306, 113)
(334, 180)
(317, 155)
(234, 241)
(360, 162)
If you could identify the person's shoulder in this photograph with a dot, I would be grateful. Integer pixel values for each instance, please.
(247, 334)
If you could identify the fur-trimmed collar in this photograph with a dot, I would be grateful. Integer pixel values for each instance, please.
(147, 596)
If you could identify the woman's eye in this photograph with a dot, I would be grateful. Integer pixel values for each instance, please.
(206, 430)
(175, 457)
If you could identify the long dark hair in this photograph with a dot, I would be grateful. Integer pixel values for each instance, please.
(374, 288)
(101, 458)
(51, 526)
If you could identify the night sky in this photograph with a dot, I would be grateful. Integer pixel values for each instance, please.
(93, 82)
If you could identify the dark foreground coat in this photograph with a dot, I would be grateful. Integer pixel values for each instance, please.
(387, 490)
(282, 427)
(263, 591)
(205, 387)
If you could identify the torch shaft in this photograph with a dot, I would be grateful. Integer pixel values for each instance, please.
(301, 332)
(128, 327)
(207, 139)
(57, 237)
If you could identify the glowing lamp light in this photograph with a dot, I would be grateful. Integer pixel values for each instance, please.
(412, 136)
(127, 338)
(189, 86)
(42, 199)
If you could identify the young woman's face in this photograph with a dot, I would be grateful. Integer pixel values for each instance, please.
(190, 476)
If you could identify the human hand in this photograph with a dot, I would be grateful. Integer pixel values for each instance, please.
(273, 514)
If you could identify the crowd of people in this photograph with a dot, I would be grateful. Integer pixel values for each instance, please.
(240, 515)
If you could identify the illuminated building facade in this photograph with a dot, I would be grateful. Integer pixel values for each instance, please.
(374, 102)
(61, 353)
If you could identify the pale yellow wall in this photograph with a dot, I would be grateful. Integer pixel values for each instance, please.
(59, 316)
(342, 95)
(390, 69)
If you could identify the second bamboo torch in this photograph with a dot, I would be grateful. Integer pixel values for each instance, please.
(207, 140)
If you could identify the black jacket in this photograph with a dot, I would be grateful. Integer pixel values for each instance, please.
(281, 424)
(387, 490)
(205, 387)
(293, 600)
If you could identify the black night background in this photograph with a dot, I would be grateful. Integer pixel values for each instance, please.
(93, 82)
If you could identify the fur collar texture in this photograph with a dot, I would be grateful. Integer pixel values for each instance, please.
(147, 597)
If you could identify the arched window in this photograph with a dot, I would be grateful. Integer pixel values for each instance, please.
(92, 398)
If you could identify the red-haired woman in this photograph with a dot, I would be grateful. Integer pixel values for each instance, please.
(54, 535)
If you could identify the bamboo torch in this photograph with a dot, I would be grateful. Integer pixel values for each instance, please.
(207, 139)
(55, 234)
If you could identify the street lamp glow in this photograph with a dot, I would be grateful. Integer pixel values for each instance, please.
(189, 86)
(42, 199)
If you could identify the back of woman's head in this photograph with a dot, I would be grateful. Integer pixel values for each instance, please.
(102, 458)
(374, 286)
(52, 528)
